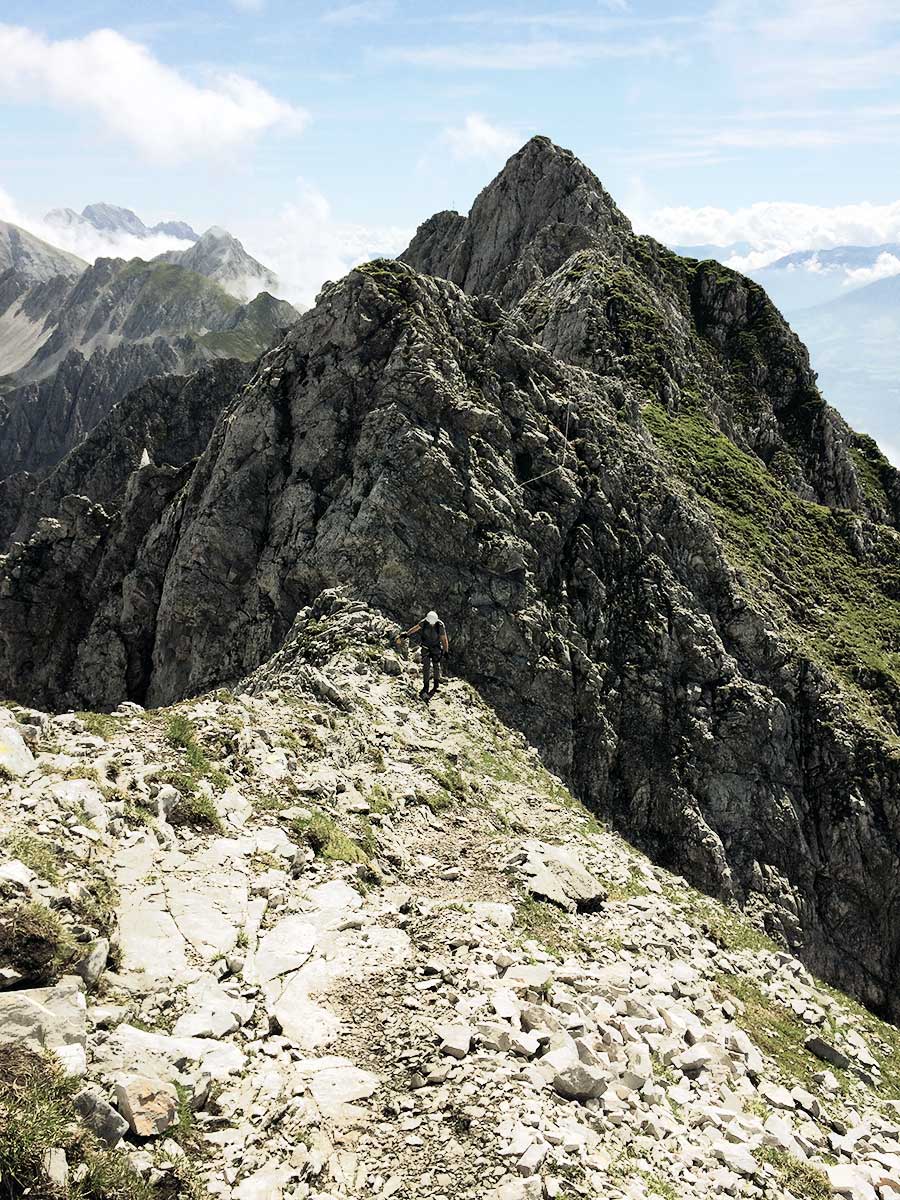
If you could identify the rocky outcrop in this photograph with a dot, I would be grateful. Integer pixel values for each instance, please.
(166, 421)
(663, 610)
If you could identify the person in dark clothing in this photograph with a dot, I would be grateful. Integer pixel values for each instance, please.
(435, 644)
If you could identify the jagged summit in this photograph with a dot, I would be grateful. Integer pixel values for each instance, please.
(220, 256)
(543, 206)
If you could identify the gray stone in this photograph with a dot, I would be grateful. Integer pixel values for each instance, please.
(825, 1051)
(92, 964)
(100, 1116)
(580, 1082)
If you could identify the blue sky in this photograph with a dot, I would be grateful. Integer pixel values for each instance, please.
(319, 131)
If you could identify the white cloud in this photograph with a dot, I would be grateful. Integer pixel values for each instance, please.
(774, 228)
(478, 138)
(90, 244)
(306, 245)
(884, 267)
(136, 97)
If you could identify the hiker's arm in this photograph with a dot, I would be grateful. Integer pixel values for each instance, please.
(445, 642)
(409, 632)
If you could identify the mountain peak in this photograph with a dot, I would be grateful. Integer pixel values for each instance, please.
(112, 218)
(539, 210)
(216, 233)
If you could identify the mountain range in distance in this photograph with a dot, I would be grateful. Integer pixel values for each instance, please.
(112, 219)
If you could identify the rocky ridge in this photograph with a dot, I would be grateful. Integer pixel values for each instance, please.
(662, 556)
(311, 939)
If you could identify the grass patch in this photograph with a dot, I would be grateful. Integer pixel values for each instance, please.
(327, 839)
(195, 810)
(777, 1032)
(800, 563)
(449, 779)
(34, 942)
(546, 924)
(379, 801)
(38, 854)
(98, 907)
(101, 724)
(36, 1115)
(801, 1179)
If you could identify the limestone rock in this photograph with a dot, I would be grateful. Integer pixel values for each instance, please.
(148, 1105)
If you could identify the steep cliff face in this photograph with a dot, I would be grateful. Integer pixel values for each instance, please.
(677, 621)
(169, 419)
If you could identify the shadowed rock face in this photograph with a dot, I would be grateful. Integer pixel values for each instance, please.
(611, 502)
(169, 418)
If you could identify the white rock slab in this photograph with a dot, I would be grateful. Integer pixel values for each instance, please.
(284, 948)
(208, 905)
(336, 1087)
(150, 940)
(15, 757)
(160, 1054)
(268, 1183)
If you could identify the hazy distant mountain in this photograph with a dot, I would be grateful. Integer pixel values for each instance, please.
(70, 350)
(809, 277)
(34, 260)
(112, 219)
(854, 344)
(710, 250)
(221, 257)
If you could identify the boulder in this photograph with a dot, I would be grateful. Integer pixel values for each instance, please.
(149, 1105)
(557, 874)
(15, 757)
(580, 1082)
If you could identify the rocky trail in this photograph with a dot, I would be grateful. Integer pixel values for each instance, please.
(311, 938)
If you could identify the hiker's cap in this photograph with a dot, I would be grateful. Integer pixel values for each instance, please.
(431, 617)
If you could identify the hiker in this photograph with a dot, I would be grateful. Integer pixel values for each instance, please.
(435, 644)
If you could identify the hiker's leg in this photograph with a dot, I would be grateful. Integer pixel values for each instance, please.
(426, 669)
(436, 668)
